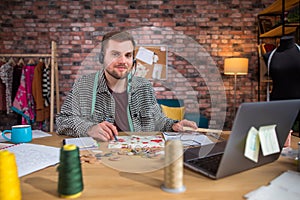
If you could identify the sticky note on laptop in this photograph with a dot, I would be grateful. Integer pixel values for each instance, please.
(252, 145)
(268, 140)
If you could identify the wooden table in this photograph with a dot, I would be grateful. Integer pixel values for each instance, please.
(102, 182)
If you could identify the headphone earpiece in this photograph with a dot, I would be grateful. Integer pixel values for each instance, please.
(134, 63)
(101, 57)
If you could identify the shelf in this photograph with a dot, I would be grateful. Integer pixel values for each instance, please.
(277, 32)
(266, 81)
(276, 7)
(279, 8)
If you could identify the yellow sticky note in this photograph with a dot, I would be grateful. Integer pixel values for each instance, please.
(252, 145)
(268, 140)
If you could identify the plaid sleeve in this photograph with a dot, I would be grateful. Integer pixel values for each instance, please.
(149, 116)
(74, 118)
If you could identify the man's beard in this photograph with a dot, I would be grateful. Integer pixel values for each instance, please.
(116, 76)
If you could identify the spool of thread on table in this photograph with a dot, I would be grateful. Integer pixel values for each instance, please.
(70, 184)
(9, 180)
(173, 171)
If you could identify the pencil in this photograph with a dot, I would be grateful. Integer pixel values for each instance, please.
(202, 130)
(110, 121)
(116, 139)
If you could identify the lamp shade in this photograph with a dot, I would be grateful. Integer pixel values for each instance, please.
(236, 66)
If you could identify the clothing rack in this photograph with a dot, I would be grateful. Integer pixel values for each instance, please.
(54, 77)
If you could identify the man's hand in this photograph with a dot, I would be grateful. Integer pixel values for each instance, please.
(103, 131)
(179, 125)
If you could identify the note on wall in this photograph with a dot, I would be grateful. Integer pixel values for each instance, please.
(145, 55)
(151, 62)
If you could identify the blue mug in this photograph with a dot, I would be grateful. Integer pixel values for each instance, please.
(19, 134)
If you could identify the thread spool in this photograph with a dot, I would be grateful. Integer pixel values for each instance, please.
(173, 171)
(9, 180)
(70, 184)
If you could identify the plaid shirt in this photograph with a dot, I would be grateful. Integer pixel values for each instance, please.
(76, 116)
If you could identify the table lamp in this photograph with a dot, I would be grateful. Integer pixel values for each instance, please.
(235, 66)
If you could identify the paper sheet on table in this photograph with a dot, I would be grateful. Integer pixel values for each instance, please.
(4, 145)
(188, 139)
(285, 186)
(82, 143)
(137, 141)
(35, 134)
(290, 180)
(33, 157)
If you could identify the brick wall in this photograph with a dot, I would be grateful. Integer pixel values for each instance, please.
(198, 34)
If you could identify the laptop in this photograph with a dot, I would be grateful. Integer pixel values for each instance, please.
(226, 158)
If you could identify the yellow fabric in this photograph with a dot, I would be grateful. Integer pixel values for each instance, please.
(176, 113)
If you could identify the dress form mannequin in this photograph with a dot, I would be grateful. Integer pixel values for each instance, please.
(284, 69)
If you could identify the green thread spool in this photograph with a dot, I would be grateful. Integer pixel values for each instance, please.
(70, 184)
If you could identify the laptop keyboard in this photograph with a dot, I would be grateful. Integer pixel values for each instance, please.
(210, 163)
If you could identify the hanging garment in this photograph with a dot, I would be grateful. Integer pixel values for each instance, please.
(6, 74)
(42, 111)
(24, 103)
(46, 85)
(2, 97)
(2, 93)
(16, 80)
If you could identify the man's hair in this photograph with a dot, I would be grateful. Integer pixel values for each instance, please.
(116, 36)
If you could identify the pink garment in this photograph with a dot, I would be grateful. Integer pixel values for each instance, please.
(24, 102)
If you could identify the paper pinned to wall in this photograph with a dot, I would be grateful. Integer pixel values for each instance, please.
(151, 61)
(156, 74)
(145, 55)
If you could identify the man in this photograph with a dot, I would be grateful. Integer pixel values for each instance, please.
(113, 99)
